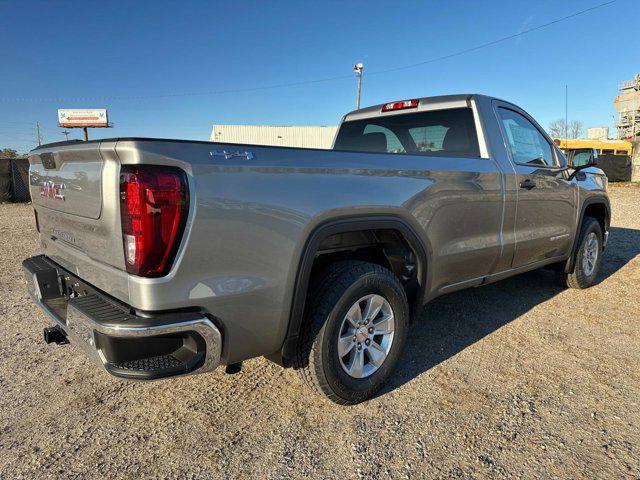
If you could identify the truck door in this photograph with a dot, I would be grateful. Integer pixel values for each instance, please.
(546, 200)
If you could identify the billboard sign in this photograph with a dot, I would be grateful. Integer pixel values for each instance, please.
(82, 117)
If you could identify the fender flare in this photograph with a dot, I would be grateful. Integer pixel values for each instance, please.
(342, 225)
(596, 199)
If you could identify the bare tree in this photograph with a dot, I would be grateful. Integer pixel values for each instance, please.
(559, 129)
(575, 129)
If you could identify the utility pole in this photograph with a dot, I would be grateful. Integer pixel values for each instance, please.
(358, 67)
(66, 134)
(38, 139)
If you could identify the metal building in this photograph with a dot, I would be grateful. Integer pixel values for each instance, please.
(282, 136)
(598, 133)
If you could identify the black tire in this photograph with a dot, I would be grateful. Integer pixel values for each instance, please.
(334, 291)
(579, 278)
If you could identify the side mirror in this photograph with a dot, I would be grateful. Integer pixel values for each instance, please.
(581, 157)
(586, 158)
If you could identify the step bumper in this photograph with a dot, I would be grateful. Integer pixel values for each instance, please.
(127, 345)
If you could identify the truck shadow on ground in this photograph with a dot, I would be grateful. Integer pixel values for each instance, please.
(453, 322)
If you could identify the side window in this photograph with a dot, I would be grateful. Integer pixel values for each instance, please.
(393, 143)
(527, 144)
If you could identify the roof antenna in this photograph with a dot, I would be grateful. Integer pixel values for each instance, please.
(566, 112)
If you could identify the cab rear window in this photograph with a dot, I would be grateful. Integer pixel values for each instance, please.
(449, 132)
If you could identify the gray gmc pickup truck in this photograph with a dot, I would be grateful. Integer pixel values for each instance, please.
(168, 257)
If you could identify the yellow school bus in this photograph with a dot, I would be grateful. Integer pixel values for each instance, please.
(604, 147)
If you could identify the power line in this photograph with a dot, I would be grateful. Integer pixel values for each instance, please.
(17, 123)
(170, 95)
(19, 139)
(495, 42)
(10, 127)
(16, 133)
(25, 133)
(311, 82)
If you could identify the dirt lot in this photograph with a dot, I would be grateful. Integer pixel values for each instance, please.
(520, 379)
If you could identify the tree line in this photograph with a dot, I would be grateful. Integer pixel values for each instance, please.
(8, 153)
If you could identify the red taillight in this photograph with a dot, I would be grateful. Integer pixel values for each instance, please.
(400, 105)
(154, 203)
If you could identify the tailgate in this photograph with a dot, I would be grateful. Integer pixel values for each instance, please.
(74, 190)
(68, 180)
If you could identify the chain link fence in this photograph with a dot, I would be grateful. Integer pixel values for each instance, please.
(5, 179)
(14, 180)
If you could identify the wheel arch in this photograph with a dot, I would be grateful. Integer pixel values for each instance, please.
(600, 208)
(305, 265)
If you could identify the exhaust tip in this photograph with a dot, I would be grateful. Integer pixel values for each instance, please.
(55, 335)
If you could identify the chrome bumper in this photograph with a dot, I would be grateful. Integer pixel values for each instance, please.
(90, 318)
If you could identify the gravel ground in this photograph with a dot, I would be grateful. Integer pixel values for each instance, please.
(520, 379)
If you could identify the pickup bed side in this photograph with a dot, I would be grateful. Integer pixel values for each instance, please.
(252, 220)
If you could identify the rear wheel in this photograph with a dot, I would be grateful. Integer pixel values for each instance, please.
(355, 331)
(588, 255)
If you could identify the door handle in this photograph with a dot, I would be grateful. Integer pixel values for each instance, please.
(528, 184)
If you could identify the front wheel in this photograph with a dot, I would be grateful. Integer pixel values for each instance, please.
(588, 255)
(354, 331)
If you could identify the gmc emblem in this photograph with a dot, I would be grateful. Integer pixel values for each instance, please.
(51, 190)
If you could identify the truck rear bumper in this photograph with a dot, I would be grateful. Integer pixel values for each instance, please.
(125, 344)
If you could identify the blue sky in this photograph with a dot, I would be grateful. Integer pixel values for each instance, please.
(113, 54)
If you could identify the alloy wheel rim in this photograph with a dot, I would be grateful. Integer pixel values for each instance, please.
(590, 254)
(366, 335)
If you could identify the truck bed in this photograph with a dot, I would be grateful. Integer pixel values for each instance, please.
(251, 210)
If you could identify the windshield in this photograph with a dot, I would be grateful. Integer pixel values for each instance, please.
(448, 132)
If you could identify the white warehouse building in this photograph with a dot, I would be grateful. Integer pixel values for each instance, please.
(281, 136)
